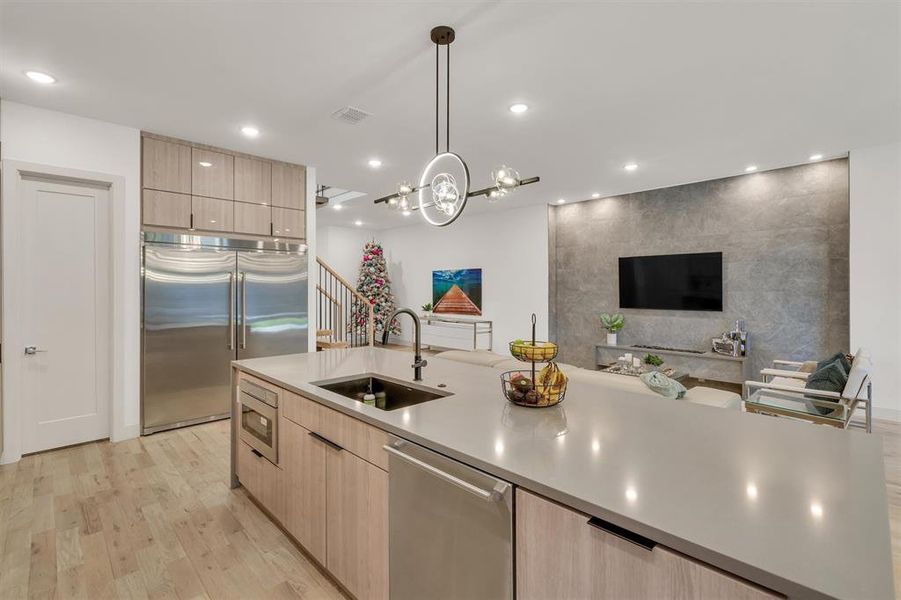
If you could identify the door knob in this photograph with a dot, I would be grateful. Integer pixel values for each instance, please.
(29, 350)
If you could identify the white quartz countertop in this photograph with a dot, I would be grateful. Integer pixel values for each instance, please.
(794, 507)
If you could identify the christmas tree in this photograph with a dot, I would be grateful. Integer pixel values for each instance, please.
(375, 286)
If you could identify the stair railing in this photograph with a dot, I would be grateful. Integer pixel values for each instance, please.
(339, 309)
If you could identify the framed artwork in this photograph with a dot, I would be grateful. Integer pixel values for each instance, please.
(457, 292)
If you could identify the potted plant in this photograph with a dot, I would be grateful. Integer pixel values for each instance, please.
(612, 323)
(427, 310)
(653, 361)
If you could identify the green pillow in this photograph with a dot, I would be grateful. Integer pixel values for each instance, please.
(838, 356)
(830, 378)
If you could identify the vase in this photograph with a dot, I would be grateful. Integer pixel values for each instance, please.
(611, 339)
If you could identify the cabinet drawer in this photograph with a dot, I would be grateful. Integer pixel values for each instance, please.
(212, 214)
(289, 186)
(166, 166)
(288, 223)
(560, 555)
(253, 181)
(167, 209)
(212, 174)
(263, 480)
(253, 218)
(355, 436)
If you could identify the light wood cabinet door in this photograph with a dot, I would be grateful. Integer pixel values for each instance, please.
(166, 209)
(212, 214)
(303, 459)
(253, 218)
(166, 166)
(288, 223)
(264, 480)
(560, 555)
(357, 524)
(253, 180)
(289, 186)
(212, 174)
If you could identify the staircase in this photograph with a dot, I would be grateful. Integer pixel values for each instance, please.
(344, 317)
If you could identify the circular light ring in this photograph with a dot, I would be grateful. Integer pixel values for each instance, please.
(426, 178)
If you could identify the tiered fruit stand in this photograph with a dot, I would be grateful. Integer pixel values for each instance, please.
(546, 387)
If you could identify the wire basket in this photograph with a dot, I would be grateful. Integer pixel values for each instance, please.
(520, 389)
(533, 351)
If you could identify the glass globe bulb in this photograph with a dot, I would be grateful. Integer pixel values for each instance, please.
(505, 178)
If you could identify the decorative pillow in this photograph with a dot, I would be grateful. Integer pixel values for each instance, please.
(838, 356)
(830, 378)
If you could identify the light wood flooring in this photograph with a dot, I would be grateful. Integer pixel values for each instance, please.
(154, 518)
(146, 518)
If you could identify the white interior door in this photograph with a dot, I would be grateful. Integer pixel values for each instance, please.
(66, 312)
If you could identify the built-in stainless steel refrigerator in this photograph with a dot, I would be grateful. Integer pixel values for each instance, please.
(208, 301)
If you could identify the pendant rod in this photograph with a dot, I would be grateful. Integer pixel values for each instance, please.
(447, 104)
(436, 99)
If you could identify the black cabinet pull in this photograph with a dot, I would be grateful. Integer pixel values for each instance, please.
(326, 441)
(256, 453)
(622, 533)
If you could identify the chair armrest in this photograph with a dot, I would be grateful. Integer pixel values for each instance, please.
(755, 385)
(786, 363)
(783, 373)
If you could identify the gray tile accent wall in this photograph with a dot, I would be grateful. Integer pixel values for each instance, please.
(784, 239)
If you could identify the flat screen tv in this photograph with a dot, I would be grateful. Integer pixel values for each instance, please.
(672, 281)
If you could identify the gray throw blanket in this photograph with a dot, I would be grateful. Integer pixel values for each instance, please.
(663, 385)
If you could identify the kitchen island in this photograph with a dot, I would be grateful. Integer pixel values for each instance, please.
(795, 509)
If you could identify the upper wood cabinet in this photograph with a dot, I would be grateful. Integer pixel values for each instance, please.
(166, 209)
(289, 186)
(166, 166)
(186, 185)
(212, 174)
(253, 180)
(212, 214)
(288, 223)
(559, 554)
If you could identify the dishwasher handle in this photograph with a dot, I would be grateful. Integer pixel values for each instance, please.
(493, 495)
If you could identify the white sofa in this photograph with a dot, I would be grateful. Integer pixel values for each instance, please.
(696, 395)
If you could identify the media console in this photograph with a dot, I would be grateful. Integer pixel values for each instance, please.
(700, 365)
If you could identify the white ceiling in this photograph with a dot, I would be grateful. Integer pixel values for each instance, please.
(689, 91)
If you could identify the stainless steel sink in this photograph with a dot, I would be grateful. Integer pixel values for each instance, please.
(397, 393)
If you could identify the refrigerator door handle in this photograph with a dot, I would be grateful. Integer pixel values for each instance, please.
(231, 311)
(243, 310)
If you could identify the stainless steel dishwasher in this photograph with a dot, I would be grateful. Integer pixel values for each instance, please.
(450, 528)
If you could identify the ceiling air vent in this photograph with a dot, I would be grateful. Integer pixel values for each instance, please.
(350, 115)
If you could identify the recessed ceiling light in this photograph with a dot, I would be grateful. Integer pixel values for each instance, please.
(204, 163)
(337, 207)
(630, 166)
(250, 131)
(750, 168)
(561, 201)
(40, 77)
(519, 108)
(406, 213)
(596, 195)
(375, 163)
(816, 156)
(358, 223)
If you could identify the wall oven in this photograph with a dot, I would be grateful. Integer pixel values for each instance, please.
(259, 419)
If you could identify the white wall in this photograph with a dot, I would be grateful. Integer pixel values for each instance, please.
(875, 269)
(56, 139)
(342, 249)
(511, 248)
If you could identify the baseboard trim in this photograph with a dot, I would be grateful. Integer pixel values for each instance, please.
(887, 414)
(127, 432)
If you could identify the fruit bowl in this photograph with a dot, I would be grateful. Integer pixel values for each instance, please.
(547, 390)
(533, 351)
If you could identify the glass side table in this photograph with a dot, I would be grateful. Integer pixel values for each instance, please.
(795, 404)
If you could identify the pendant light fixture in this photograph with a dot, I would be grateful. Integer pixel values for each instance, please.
(443, 186)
